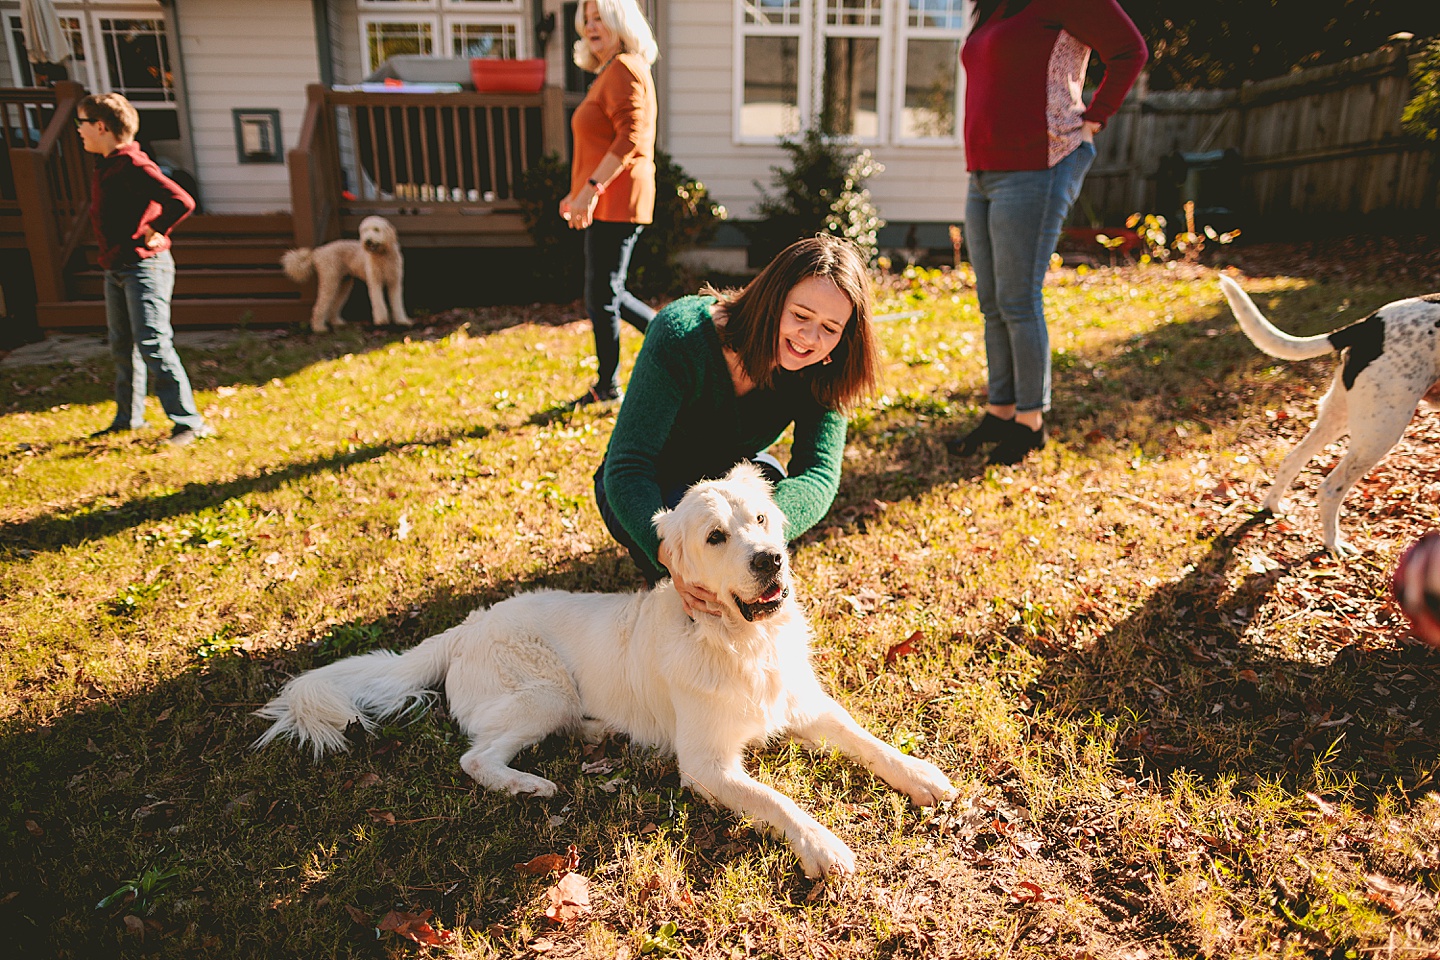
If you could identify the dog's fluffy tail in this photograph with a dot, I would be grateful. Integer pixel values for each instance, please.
(318, 705)
(299, 265)
(1265, 334)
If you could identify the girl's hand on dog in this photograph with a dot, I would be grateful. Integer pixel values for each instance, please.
(695, 599)
(1417, 587)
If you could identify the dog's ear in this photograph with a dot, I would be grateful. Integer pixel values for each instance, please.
(670, 531)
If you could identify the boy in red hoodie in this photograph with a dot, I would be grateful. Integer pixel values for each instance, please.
(132, 208)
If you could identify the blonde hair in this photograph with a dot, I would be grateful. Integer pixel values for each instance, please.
(117, 112)
(629, 24)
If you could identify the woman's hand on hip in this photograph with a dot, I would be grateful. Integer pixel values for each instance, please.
(582, 208)
(1088, 129)
(695, 598)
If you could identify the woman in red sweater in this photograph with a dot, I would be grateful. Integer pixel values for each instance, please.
(612, 174)
(1028, 144)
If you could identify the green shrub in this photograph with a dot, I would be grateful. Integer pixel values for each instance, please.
(685, 218)
(822, 191)
(1421, 117)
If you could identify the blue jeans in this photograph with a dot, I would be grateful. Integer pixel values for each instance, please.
(608, 247)
(1012, 223)
(137, 313)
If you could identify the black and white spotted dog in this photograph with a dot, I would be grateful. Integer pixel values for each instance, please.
(1388, 362)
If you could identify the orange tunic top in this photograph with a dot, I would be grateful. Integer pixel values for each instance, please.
(618, 116)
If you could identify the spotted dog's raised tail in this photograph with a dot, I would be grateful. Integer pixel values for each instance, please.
(1265, 335)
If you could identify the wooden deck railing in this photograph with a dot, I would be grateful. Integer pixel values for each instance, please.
(52, 187)
(447, 158)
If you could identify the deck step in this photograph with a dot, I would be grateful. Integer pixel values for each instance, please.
(205, 282)
(214, 252)
(218, 312)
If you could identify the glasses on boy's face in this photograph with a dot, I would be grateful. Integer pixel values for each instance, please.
(81, 121)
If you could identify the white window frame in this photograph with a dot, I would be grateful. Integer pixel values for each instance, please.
(893, 32)
(824, 31)
(446, 14)
(94, 72)
(802, 94)
(905, 33)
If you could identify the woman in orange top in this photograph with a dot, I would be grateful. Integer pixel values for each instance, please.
(612, 174)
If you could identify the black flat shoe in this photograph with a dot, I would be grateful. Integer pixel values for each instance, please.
(991, 429)
(1019, 441)
(595, 396)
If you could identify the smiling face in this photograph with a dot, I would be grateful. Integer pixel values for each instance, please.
(603, 41)
(811, 323)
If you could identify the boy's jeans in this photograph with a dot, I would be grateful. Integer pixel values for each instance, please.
(137, 312)
(1012, 223)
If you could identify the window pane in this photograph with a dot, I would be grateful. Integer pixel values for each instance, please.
(772, 12)
(388, 40)
(930, 70)
(493, 40)
(852, 74)
(138, 58)
(71, 26)
(947, 14)
(772, 87)
(856, 13)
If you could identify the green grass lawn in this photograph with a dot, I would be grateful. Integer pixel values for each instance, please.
(1178, 728)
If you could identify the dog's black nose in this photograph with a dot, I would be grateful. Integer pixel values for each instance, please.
(765, 562)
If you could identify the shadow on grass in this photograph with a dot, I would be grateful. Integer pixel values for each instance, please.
(253, 358)
(275, 848)
(52, 532)
(1190, 688)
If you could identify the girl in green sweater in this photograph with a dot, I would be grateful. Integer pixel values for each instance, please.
(719, 379)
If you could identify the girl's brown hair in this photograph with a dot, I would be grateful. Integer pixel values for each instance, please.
(752, 319)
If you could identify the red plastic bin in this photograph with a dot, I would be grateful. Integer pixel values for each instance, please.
(507, 76)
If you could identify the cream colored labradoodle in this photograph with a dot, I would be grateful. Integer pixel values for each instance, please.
(374, 258)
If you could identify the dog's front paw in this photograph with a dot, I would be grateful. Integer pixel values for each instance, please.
(822, 854)
(1343, 548)
(927, 784)
(381, 318)
(403, 321)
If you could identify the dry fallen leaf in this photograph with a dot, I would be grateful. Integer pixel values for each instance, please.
(569, 899)
(903, 648)
(416, 927)
(552, 862)
(1027, 892)
(358, 915)
(381, 816)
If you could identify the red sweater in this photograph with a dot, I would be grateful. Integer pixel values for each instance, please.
(1023, 76)
(127, 194)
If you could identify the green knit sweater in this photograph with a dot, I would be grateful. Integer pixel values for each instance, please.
(682, 422)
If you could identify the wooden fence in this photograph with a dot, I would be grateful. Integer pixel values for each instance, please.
(1323, 144)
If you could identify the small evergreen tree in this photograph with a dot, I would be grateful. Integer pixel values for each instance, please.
(822, 191)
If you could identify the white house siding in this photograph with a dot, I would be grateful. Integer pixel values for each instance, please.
(920, 184)
(259, 54)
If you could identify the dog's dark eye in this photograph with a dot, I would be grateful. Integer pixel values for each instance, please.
(716, 537)
(760, 519)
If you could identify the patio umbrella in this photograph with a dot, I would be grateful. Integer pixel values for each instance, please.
(45, 39)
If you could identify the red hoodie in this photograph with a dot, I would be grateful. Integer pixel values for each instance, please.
(1024, 73)
(127, 194)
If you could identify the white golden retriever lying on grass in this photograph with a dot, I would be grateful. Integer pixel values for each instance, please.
(548, 661)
